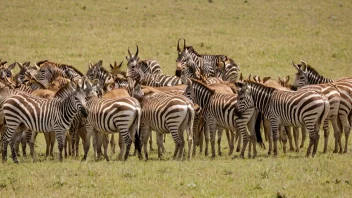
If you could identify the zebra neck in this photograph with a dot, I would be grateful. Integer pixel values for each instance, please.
(68, 110)
(317, 79)
(261, 96)
(203, 95)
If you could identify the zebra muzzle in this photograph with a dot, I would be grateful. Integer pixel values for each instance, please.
(84, 112)
(178, 73)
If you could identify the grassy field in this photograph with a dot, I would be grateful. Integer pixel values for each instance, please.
(262, 36)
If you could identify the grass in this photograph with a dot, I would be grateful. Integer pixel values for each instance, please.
(262, 36)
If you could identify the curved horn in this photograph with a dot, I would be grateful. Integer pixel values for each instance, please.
(136, 55)
(120, 64)
(129, 53)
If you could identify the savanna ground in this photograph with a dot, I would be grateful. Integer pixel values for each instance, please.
(261, 36)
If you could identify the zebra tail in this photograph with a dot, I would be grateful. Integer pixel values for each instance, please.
(257, 130)
(326, 110)
(136, 125)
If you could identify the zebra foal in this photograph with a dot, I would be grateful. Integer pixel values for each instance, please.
(286, 108)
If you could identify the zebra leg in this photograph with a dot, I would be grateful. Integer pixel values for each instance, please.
(347, 133)
(87, 142)
(105, 146)
(201, 140)
(81, 133)
(24, 143)
(296, 136)
(151, 141)
(181, 143)
(316, 140)
(326, 134)
(267, 129)
(47, 143)
(337, 133)
(159, 140)
(31, 145)
(52, 143)
(17, 139)
(99, 144)
(239, 138)
(112, 144)
(207, 138)
(60, 136)
(128, 141)
(220, 130)
(145, 130)
(283, 133)
(304, 135)
(212, 132)
(229, 136)
(289, 135)
(121, 146)
(8, 137)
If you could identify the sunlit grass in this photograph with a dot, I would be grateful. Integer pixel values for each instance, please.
(262, 36)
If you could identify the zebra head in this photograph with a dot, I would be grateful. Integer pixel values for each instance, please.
(21, 76)
(227, 69)
(133, 66)
(6, 72)
(245, 100)
(186, 65)
(80, 100)
(93, 70)
(301, 75)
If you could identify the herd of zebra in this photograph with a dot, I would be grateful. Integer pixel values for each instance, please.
(205, 97)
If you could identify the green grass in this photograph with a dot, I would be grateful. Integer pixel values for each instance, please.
(262, 36)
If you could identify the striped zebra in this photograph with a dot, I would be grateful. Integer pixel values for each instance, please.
(167, 113)
(208, 65)
(21, 76)
(6, 73)
(41, 115)
(106, 116)
(307, 75)
(221, 110)
(147, 66)
(286, 108)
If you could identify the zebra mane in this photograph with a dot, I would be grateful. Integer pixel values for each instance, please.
(41, 62)
(271, 89)
(71, 67)
(191, 49)
(201, 84)
(64, 91)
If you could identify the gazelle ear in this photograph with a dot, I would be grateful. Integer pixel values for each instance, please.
(286, 79)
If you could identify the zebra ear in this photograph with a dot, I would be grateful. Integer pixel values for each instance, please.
(295, 66)
(239, 84)
(90, 65)
(12, 66)
(256, 79)
(26, 64)
(304, 66)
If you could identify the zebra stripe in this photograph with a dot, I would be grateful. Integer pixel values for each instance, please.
(167, 113)
(221, 110)
(286, 108)
(119, 115)
(146, 66)
(41, 115)
(308, 75)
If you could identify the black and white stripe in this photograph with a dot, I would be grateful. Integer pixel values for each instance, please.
(286, 108)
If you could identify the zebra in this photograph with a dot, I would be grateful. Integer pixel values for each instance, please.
(6, 73)
(20, 77)
(221, 110)
(286, 108)
(118, 115)
(167, 113)
(307, 75)
(41, 115)
(147, 66)
(208, 65)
